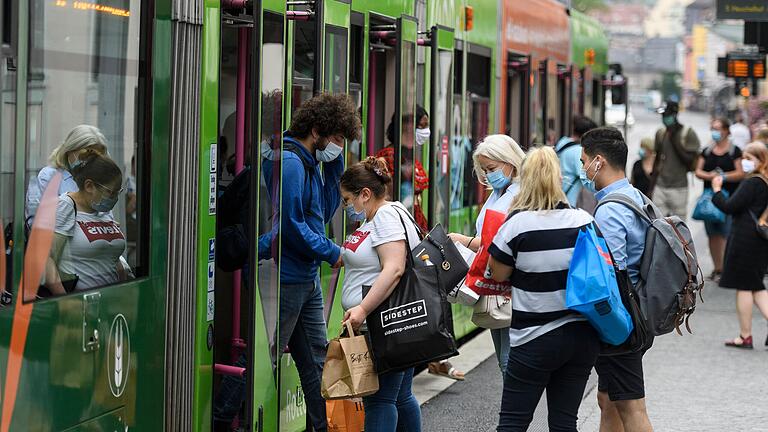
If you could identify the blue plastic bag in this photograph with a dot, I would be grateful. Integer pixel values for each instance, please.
(592, 289)
(706, 210)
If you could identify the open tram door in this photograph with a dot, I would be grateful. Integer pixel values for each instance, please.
(564, 100)
(442, 49)
(519, 98)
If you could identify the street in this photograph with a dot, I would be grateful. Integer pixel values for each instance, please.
(693, 382)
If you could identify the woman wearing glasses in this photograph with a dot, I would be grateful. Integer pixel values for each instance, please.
(88, 242)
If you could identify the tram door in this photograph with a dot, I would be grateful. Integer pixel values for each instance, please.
(518, 98)
(78, 341)
(564, 98)
(442, 44)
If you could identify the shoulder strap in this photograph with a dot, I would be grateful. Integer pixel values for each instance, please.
(419, 231)
(626, 201)
(74, 205)
(570, 144)
(308, 168)
(408, 249)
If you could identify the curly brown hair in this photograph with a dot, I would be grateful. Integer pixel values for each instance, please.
(329, 114)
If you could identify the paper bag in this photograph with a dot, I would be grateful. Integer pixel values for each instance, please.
(349, 370)
(345, 415)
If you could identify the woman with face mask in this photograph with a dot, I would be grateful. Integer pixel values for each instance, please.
(414, 179)
(720, 159)
(88, 242)
(746, 259)
(68, 155)
(641, 170)
(497, 160)
(374, 255)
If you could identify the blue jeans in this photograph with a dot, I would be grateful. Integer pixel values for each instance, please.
(501, 344)
(393, 408)
(303, 330)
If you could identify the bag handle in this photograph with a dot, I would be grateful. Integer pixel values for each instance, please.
(408, 249)
(350, 330)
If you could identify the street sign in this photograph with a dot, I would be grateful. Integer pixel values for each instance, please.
(750, 10)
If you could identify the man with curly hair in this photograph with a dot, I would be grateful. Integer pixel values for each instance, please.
(310, 197)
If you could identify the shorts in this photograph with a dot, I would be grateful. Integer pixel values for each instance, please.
(718, 228)
(621, 376)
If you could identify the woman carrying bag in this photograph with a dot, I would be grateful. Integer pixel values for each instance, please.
(746, 256)
(497, 161)
(374, 255)
(552, 347)
(720, 159)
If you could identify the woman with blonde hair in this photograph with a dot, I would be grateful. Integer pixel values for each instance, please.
(746, 253)
(497, 160)
(64, 158)
(552, 347)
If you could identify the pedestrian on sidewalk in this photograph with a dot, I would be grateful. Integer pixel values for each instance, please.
(641, 170)
(497, 160)
(374, 255)
(746, 256)
(740, 133)
(620, 388)
(569, 151)
(552, 347)
(677, 148)
(721, 158)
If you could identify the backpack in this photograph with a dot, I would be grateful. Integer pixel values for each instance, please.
(670, 275)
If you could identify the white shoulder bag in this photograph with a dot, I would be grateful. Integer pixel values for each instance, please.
(492, 312)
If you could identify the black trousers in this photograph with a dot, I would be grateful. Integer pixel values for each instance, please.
(560, 362)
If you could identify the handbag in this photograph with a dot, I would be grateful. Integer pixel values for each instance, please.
(761, 223)
(706, 210)
(592, 288)
(476, 280)
(492, 312)
(348, 370)
(438, 249)
(414, 324)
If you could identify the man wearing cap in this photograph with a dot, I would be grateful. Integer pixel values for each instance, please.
(677, 148)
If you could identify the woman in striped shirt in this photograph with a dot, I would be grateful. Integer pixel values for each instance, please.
(552, 347)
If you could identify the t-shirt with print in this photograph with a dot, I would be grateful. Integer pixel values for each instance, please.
(94, 245)
(361, 262)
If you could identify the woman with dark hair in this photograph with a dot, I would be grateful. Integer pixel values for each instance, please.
(374, 255)
(414, 179)
(88, 243)
(720, 159)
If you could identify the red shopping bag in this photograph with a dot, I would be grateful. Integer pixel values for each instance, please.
(345, 415)
(476, 280)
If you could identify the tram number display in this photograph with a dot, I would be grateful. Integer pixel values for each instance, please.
(750, 10)
(745, 68)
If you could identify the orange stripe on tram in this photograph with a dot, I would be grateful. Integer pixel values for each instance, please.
(38, 249)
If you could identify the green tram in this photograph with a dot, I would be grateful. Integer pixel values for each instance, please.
(188, 94)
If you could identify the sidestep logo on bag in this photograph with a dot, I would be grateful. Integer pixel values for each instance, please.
(404, 313)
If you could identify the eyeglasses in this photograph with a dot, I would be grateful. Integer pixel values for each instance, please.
(111, 192)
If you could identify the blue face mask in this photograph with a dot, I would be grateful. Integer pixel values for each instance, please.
(354, 215)
(497, 180)
(641, 153)
(716, 135)
(588, 183)
(104, 204)
(668, 120)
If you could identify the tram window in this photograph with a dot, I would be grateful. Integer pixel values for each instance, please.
(458, 71)
(82, 143)
(7, 160)
(479, 81)
(356, 85)
(304, 59)
(335, 59)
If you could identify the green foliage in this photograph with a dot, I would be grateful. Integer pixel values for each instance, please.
(588, 5)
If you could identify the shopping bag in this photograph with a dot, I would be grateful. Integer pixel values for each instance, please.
(345, 415)
(592, 288)
(348, 370)
(458, 293)
(476, 280)
(706, 210)
(414, 324)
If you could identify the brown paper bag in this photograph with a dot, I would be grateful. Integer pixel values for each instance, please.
(349, 370)
(345, 415)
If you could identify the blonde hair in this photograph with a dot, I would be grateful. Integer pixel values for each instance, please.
(648, 144)
(81, 137)
(760, 152)
(500, 148)
(540, 183)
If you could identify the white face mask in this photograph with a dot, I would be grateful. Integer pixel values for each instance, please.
(331, 152)
(747, 165)
(422, 135)
(266, 150)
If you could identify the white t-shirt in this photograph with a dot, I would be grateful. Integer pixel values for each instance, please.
(361, 262)
(94, 245)
(740, 135)
(496, 202)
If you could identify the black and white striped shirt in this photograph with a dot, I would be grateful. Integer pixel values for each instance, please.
(539, 245)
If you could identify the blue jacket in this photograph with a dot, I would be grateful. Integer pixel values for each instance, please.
(308, 204)
(570, 166)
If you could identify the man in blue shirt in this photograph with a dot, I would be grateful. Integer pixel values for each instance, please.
(621, 389)
(569, 151)
(305, 198)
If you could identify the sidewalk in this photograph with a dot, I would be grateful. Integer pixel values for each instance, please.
(693, 383)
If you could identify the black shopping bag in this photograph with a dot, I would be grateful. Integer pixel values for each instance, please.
(414, 324)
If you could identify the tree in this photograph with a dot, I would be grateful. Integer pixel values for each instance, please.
(588, 5)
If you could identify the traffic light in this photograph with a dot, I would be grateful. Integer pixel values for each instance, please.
(469, 18)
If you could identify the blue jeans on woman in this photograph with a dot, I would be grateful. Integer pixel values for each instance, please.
(501, 344)
(393, 408)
